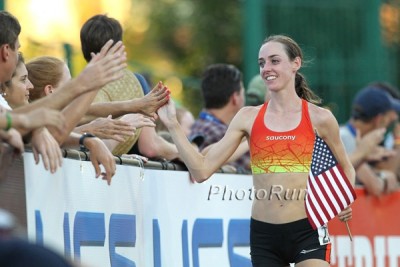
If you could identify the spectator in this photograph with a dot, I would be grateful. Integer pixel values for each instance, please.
(223, 96)
(392, 135)
(105, 65)
(371, 115)
(49, 73)
(16, 90)
(95, 33)
(25, 123)
(99, 153)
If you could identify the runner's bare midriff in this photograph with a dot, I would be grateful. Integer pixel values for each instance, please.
(279, 199)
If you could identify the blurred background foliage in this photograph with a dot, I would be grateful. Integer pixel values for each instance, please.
(347, 43)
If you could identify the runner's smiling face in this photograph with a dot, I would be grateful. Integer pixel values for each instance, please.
(276, 68)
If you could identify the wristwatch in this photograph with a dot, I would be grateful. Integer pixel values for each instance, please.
(82, 147)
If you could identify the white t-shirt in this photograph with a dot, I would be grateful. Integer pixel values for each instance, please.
(348, 139)
(4, 103)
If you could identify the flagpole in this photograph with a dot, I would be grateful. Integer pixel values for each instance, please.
(348, 231)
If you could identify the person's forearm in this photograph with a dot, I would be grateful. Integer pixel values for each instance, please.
(357, 158)
(240, 151)
(390, 163)
(11, 120)
(73, 113)
(168, 150)
(72, 141)
(116, 108)
(152, 145)
(193, 160)
(369, 179)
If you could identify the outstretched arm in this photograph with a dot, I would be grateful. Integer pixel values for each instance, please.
(108, 128)
(31, 120)
(242, 149)
(201, 166)
(153, 145)
(146, 105)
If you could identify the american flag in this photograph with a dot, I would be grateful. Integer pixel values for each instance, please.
(328, 189)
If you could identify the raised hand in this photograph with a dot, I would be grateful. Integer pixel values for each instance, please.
(167, 113)
(104, 67)
(156, 98)
(368, 143)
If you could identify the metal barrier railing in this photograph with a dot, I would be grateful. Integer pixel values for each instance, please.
(157, 165)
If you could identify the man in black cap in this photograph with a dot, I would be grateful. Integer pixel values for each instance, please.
(372, 111)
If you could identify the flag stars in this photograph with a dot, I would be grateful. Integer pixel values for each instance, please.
(322, 158)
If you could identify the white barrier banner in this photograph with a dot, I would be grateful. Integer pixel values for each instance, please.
(160, 220)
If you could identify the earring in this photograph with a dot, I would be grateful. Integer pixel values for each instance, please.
(3, 94)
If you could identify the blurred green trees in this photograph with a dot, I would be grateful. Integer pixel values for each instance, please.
(192, 35)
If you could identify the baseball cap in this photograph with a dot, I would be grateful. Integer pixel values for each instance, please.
(256, 90)
(370, 102)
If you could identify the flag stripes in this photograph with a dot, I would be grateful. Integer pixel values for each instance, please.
(328, 189)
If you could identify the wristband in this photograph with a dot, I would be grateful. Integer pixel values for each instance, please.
(82, 146)
(9, 121)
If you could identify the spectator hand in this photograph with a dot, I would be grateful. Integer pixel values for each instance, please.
(379, 153)
(100, 155)
(104, 67)
(135, 156)
(370, 141)
(44, 144)
(157, 97)
(108, 128)
(138, 120)
(14, 139)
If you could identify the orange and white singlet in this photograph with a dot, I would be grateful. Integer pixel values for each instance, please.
(289, 151)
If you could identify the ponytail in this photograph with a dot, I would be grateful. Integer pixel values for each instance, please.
(303, 91)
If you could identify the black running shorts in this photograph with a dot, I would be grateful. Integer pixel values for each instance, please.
(281, 244)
